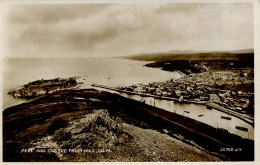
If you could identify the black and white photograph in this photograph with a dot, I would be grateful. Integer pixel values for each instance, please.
(128, 81)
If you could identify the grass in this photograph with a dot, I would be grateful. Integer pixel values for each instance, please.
(28, 122)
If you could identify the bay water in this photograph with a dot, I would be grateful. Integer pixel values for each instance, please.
(105, 71)
(111, 72)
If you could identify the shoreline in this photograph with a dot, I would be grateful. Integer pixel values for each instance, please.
(174, 129)
(145, 116)
(206, 103)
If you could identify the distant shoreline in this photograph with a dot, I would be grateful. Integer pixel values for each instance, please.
(240, 55)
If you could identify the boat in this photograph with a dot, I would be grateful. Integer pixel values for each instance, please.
(186, 101)
(187, 111)
(208, 107)
(226, 117)
(157, 97)
(242, 128)
(221, 129)
(200, 115)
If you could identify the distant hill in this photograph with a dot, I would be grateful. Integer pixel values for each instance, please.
(245, 54)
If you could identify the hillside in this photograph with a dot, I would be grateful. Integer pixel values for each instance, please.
(102, 126)
(244, 55)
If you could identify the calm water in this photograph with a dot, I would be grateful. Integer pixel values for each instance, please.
(111, 72)
(210, 117)
(107, 71)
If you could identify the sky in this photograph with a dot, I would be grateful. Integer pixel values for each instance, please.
(107, 30)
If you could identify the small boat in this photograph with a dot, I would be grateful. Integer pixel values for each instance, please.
(200, 115)
(157, 97)
(226, 117)
(242, 128)
(208, 107)
(221, 129)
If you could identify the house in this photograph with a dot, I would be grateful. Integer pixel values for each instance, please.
(158, 93)
(196, 99)
(244, 100)
(151, 90)
(178, 93)
(239, 108)
(203, 98)
(165, 94)
(214, 98)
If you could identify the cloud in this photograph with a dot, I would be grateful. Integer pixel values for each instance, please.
(123, 29)
(51, 13)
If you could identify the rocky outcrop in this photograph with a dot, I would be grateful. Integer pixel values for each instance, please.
(40, 87)
(96, 131)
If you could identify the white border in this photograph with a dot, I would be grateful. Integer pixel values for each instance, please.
(256, 54)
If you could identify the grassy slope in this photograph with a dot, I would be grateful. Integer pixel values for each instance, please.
(27, 122)
(182, 55)
(202, 56)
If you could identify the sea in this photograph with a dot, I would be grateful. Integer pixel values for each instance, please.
(105, 71)
(112, 72)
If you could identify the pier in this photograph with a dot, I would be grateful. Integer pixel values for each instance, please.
(245, 118)
(149, 95)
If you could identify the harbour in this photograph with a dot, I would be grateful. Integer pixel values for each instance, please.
(197, 111)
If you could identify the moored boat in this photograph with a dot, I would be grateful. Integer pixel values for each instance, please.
(208, 107)
(242, 128)
(226, 117)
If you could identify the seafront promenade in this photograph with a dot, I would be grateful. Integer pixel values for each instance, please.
(209, 104)
(147, 95)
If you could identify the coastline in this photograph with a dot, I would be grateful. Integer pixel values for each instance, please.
(205, 103)
(133, 112)
(85, 68)
(193, 137)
